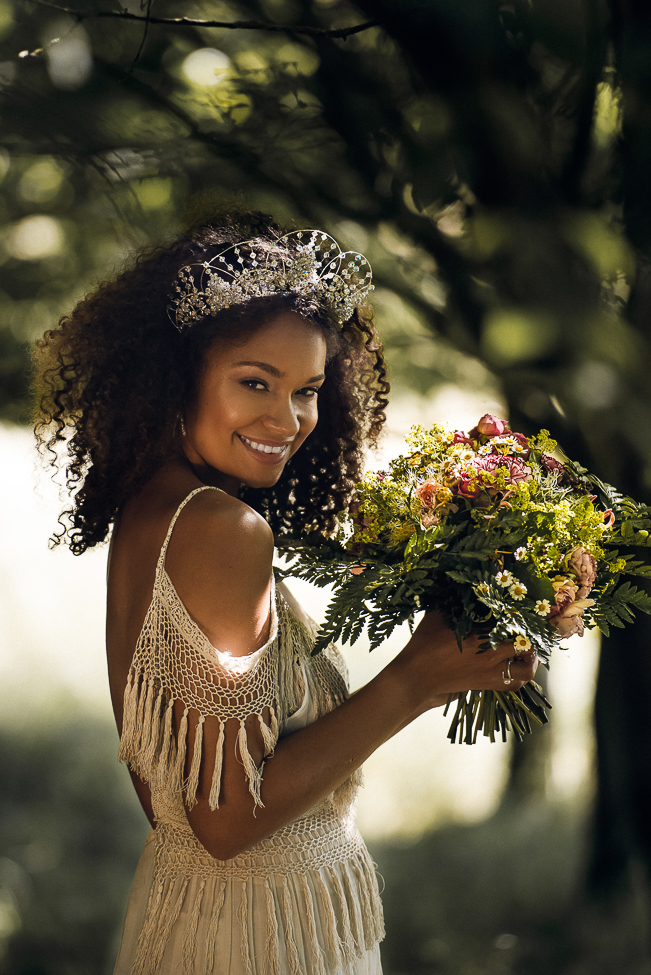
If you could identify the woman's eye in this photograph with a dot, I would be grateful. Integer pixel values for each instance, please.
(310, 392)
(254, 383)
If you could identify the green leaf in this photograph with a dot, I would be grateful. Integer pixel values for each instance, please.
(538, 587)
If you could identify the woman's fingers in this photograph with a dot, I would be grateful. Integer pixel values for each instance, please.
(516, 671)
(432, 655)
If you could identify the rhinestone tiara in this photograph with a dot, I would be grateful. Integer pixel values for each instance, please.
(341, 280)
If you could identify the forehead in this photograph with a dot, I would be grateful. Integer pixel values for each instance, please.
(286, 341)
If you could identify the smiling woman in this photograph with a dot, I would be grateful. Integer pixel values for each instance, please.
(256, 403)
(222, 389)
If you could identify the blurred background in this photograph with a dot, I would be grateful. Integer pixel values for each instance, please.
(492, 159)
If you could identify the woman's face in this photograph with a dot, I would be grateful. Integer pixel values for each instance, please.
(256, 403)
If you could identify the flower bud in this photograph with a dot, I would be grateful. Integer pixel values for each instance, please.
(492, 426)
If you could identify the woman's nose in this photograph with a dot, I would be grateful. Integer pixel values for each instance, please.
(284, 418)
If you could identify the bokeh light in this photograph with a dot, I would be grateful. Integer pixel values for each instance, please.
(206, 67)
(70, 62)
(35, 237)
(41, 181)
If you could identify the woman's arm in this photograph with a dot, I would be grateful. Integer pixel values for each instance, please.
(309, 764)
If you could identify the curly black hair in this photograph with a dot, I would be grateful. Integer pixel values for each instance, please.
(114, 377)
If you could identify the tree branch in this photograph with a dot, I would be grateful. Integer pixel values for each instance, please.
(341, 34)
(239, 153)
(595, 55)
(144, 35)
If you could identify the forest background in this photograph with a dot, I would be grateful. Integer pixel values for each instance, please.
(492, 160)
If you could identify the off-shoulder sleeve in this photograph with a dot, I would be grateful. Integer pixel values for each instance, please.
(175, 662)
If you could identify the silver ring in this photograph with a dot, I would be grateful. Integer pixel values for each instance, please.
(506, 677)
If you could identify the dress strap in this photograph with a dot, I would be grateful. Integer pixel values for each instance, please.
(160, 565)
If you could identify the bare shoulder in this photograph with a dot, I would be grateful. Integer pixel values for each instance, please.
(220, 561)
(215, 527)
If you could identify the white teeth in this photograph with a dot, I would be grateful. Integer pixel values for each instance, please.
(264, 448)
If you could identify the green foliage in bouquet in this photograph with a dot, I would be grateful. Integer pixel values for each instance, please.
(500, 533)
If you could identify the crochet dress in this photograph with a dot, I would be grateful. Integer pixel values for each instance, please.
(305, 900)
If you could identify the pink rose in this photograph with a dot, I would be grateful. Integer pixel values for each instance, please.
(584, 567)
(515, 467)
(426, 492)
(492, 426)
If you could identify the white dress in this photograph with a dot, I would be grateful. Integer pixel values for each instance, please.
(305, 900)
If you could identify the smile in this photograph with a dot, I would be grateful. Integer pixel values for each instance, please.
(264, 448)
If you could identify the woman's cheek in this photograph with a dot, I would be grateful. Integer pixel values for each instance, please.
(311, 421)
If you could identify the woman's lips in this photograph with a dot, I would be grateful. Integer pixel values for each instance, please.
(265, 453)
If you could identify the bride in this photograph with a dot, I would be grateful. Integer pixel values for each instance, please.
(220, 390)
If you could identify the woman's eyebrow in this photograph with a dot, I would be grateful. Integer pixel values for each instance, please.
(267, 367)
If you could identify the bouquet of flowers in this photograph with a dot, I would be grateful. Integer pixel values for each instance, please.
(502, 534)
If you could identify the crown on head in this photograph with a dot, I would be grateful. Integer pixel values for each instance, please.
(304, 262)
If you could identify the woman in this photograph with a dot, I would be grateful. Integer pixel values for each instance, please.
(189, 390)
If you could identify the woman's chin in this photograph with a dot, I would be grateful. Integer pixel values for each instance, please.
(267, 480)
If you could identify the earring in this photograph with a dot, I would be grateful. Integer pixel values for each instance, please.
(184, 432)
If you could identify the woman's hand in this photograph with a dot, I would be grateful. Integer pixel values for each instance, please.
(436, 668)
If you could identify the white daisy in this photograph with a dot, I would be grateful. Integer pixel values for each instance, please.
(521, 643)
(465, 455)
(543, 607)
(518, 590)
(504, 578)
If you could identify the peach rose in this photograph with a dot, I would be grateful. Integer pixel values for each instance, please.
(584, 567)
(426, 492)
(564, 594)
(569, 621)
(569, 626)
